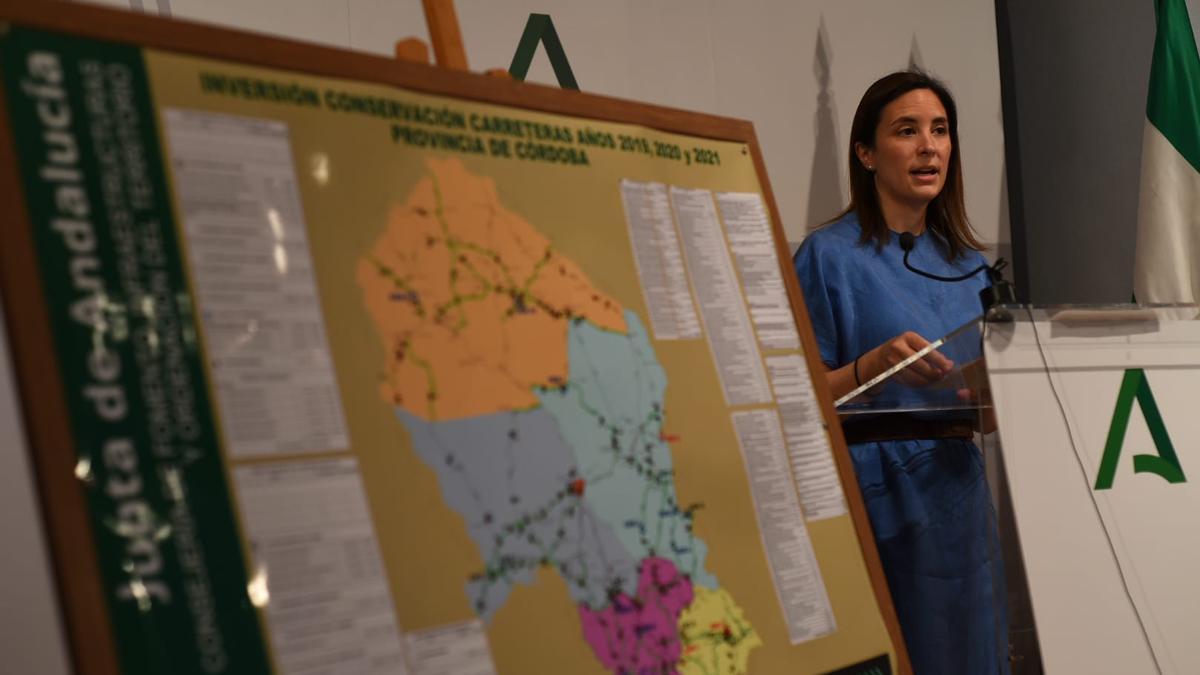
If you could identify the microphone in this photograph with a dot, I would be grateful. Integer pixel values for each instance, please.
(1001, 292)
(907, 241)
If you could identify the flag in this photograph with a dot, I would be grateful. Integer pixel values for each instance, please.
(1167, 261)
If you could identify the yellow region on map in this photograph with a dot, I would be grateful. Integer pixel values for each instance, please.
(472, 302)
(715, 635)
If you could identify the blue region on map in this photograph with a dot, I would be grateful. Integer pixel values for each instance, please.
(516, 484)
(611, 413)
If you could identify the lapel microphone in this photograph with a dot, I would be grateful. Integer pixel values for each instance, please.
(907, 241)
(1001, 292)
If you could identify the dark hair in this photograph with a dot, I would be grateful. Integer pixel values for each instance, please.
(946, 214)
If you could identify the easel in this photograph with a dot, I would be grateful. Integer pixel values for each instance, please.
(55, 440)
(448, 49)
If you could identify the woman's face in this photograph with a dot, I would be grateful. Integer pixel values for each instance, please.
(912, 149)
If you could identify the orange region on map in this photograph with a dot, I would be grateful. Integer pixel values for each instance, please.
(471, 301)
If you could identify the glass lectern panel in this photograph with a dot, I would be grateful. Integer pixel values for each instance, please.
(947, 375)
(950, 375)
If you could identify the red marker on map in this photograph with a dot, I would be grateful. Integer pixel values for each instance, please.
(670, 438)
(576, 487)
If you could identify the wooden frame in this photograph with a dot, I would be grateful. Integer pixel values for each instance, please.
(65, 511)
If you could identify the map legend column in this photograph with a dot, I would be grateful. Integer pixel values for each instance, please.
(789, 550)
(320, 574)
(808, 446)
(730, 335)
(255, 284)
(753, 247)
(659, 261)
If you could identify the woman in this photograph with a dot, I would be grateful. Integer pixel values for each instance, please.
(926, 496)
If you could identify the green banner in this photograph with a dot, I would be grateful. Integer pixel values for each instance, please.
(170, 557)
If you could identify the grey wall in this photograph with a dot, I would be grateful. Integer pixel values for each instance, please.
(1075, 87)
(31, 637)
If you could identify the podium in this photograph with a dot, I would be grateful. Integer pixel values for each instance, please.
(958, 390)
(1095, 411)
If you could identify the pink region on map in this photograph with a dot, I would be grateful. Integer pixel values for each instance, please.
(640, 636)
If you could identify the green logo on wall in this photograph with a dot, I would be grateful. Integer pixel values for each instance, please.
(1165, 463)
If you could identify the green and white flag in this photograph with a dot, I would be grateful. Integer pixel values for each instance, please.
(1167, 264)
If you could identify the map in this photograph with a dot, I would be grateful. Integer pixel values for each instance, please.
(538, 401)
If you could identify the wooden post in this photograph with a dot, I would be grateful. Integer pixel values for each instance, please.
(446, 37)
(444, 34)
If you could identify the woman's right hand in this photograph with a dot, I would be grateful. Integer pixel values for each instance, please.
(930, 368)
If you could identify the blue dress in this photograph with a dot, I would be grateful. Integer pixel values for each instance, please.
(928, 500)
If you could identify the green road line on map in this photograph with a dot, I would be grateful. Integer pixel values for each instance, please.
(439, 208)
(451, 244)
(659, 522)
(716, 640)
(401, 284)
(483, 281)
(431, 390)
(488, 253)
(583, 403)
(499, 567)
(458, 300)
(537, 268)
(490, 570)
(715, 663)
(656, 481)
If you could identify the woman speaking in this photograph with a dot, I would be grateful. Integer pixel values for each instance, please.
(924, 490)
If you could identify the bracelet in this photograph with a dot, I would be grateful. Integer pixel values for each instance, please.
(857, 382)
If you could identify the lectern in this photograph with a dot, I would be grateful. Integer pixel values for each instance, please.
(1096, 410)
